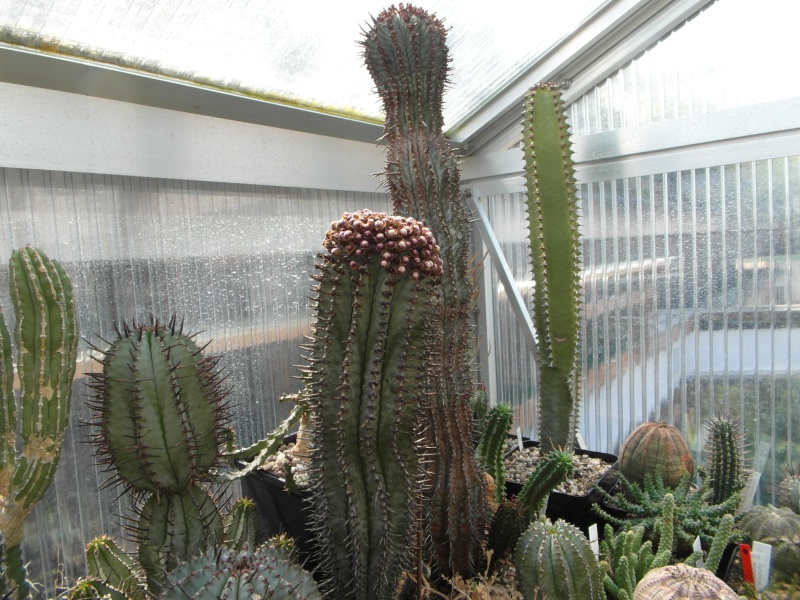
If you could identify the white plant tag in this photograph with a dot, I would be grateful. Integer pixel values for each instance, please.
(761, 556)
(698, 547)
(519, 438)
(593, 541)
(579, 440)
(749, 491)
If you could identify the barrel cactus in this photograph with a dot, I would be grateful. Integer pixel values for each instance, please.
(366, 385)
(32, 423)
(406, 53)
(682, 581)
(555, 560)
(491, 448)
(789, 493)
(724, 465)
(554, 242)
(779, 527)
(655, 447)
(265, 572)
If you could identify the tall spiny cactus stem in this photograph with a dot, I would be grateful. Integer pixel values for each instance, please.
(552, 471)
(406, 53)
(240, 525)
(555, 560)
(366, 386)
(555, 252)
(46, 337)
(491, 448)
(725, 462)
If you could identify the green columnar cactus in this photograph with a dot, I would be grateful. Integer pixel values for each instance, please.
(241, 574)
(107, 562)
(366, 386)
(91, 588)
(406, 53)
(682, 581)
(491, 448)
(550, 472)
(655, 448)
(555, 253)
(722, 538)
(725, 463)
(555, 560)
(508, 524)
(159, 412)
(46, 337)
(789, 493)
(240, 525)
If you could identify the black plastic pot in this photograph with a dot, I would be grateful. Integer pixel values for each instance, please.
(573, 509)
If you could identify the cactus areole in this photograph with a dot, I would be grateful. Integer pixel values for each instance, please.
(366, 386)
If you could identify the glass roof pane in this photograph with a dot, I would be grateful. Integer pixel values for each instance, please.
(298, 52)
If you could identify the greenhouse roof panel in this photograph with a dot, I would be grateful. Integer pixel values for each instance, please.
(299, 53)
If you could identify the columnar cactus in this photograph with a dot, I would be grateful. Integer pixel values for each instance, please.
(240, 525)
(159, 412)
(508, 524)
(655, 448)
(550, 472)
(107, 562)
(555, 560)
(406, 53)
(555, 252)
(32, 430)
(491, 448)
(266, 572)
(724, 465)
(682, 581)
(366, 386)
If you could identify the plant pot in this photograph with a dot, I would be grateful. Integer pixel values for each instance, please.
(280, 510)
(573, 509)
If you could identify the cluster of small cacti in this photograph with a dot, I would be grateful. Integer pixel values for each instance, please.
(405, 51)
(32, 430)
(655, 448)
(367, 387)
(555, 253)
(160, 421)
(550, 472)
(492, 445)
(643, 505)
(724, 464)
(555, 560)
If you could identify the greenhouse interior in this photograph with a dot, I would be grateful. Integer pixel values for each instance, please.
(422, 239)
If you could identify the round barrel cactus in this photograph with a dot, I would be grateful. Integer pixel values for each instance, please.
(655, 447)
(555, 560)
(765, 523)
(789, 493)
(682, 581)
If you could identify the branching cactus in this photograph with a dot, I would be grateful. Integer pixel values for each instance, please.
(160, 415)
(555, 560)
(366, 386)
(724, 465)
(32, 430)
(491, 448)
(555, 252)
(406, 53)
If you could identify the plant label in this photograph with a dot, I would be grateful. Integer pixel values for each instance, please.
(519, 438)
(761, 556)
(749, 491)
(698, 547)
(579, 440)
(593, 540)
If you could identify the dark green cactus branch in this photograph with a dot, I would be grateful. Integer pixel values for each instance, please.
(366, 384)
(491, 448)
(555, 253)
(724, 465)
(553, 470)
(406, 53)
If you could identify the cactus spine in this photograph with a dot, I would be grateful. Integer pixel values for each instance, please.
(725, 463)
(366, 384)
(406, 53)
(226, 573)
(550, 472)
(555, 560)
(655, 448)
(46, 337)
(555, 253)
(491, 448)
(161, 428)
(682, 581)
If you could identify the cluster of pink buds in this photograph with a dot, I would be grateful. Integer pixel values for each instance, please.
(402, 244)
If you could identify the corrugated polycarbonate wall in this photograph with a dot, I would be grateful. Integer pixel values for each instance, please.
(233, 261)
(692, 307)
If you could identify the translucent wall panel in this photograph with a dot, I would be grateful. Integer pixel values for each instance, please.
(692, 307)
(727, 56)
(232, 260)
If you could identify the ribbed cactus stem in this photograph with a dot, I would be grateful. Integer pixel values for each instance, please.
(555, 560)
(721, 539)
(725, 461)
(508, 523)
(406, 53)
(107, 562)
(682, 581)
(550, 472)
(32, 424)
(655, 448)
(555, 253)
(366, 385)
(240, 525)
(491, 448)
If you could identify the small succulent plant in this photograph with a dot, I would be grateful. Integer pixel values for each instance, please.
(550, 472)
(682, 581)
(491, 448)
(655, 447)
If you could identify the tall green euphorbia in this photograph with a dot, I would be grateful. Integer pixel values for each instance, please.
(366, 384)
(555, 252)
